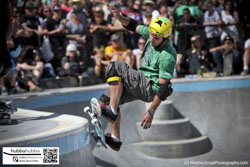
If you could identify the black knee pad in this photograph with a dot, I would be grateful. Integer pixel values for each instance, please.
(112, 75)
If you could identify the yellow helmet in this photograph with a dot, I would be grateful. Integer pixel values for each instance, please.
(161, 26)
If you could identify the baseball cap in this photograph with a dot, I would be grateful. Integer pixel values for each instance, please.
(149, 2)
(29, 5)
(228, 38)
(114, 37)
(195, 38)
(71, 2)
(114, 3)
(71, 47)
(56, 8)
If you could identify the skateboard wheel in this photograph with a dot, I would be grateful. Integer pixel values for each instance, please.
(86, 109)
(98, 144)
(94, 121)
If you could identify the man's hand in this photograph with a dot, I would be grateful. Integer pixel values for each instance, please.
(147, 120)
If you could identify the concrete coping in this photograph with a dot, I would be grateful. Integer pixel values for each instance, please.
(66, 125)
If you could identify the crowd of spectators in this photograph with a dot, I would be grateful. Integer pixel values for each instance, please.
(57, 38)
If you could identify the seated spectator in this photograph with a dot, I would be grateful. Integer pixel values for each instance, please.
(138, 51)
(246, 58)
(29, 73)
(116, 52)
(226, 57)
(100, 62)
(195, 59)
(71, 65)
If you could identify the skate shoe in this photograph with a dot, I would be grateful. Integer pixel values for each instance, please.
(115, 145)
(107, 112)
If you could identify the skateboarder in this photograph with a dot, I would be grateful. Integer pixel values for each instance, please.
(150, 84)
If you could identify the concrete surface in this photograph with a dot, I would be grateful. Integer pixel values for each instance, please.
(218, 108)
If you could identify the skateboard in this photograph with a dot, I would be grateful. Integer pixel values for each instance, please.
(5, 112)
(95, 115)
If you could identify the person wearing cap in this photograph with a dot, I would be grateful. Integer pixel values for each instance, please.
(98, 28)
(78, 5)
(116, 52)
(31, 24)
(197, 57)
(54, 29)
(76, 33)
(70, 64)
(226, 57)
(31, 72)
(149, 6)
(150, 84)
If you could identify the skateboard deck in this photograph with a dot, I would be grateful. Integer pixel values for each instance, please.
(5, 114)
(95, 115)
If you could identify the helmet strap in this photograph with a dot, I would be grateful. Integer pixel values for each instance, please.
(163, 40)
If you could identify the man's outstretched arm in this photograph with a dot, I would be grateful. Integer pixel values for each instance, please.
(127, 22)
(159, 97)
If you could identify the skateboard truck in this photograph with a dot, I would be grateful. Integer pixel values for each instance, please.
(5, 112)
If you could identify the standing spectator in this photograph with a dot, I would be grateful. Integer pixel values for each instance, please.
(114, 25)
(246, 58)
(31, 24)
(78, 5)
(116, 52)
(138, 51)
(53, 3)
(230, 16)
(99, 28)
(54, 28)
(177, 14)
(211, 22)
(65, 6)
(187, 27)
(150, 8)
(76, 33)
(131, 39)
(131, 12)
(47, 15)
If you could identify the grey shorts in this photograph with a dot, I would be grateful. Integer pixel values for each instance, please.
(135, 85)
